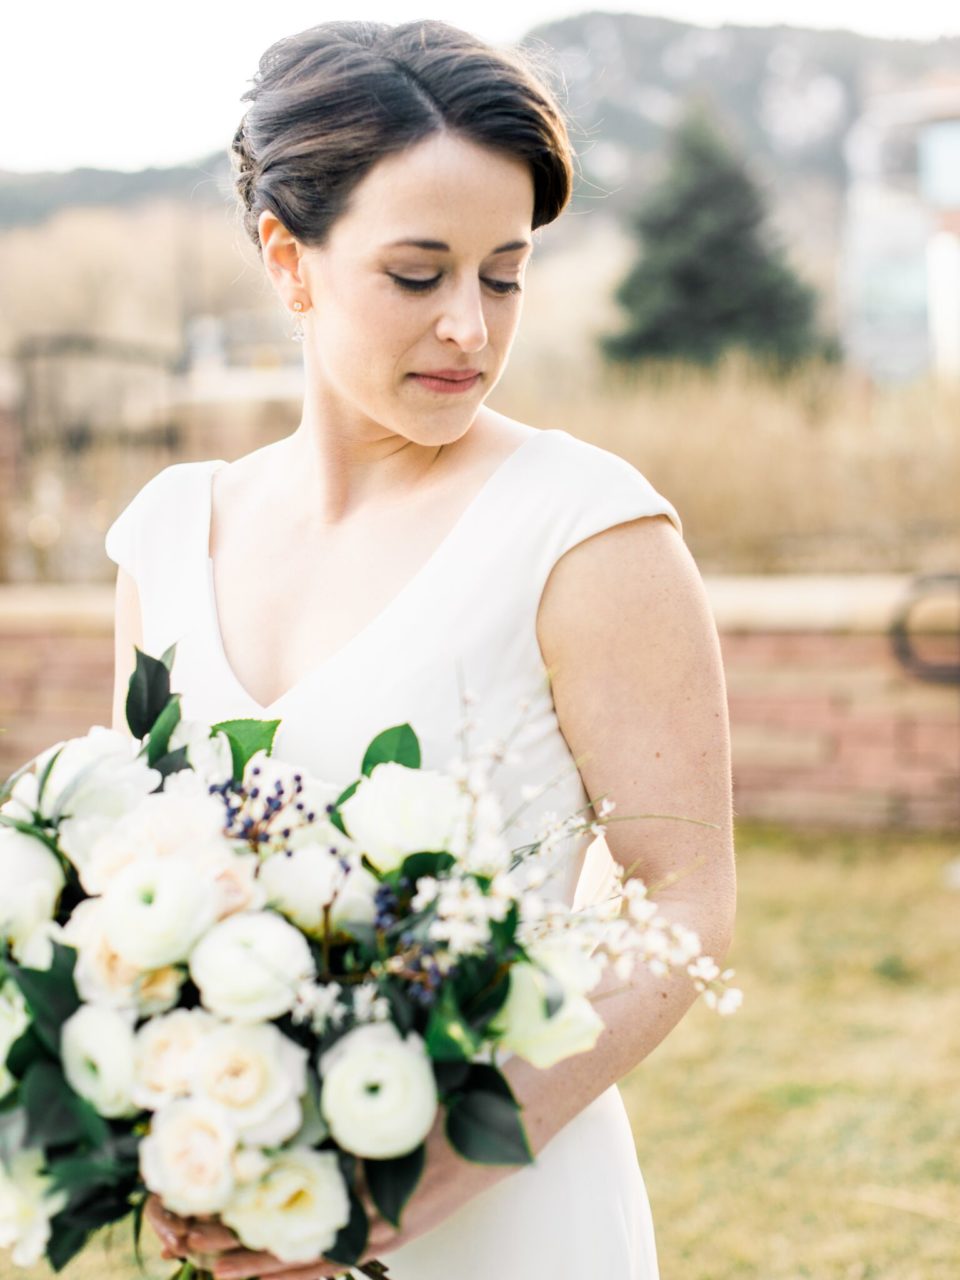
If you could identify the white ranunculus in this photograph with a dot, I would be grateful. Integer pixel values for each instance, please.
(22, 801)
(31, 878)
(14, 1020)
(156, 909)
(94, 780)
(378, 1091)
(302, 883)
(357, 900)
(27, 1198)
(168, 823)
(36, 949)
(96, 1045)
(396, 811)
(187, 1157)
(249, 965)
(101, 974)
(296, 1209)
(528, 1032)
(256, 1074)
(165, 1050)
(210, 758)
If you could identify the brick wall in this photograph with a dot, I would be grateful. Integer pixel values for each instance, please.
(827, 728)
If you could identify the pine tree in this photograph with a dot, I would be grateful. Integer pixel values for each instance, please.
(707, 279)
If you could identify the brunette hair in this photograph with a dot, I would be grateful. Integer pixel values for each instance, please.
(330, 102)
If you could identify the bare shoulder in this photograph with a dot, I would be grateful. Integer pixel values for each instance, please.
(616, 579)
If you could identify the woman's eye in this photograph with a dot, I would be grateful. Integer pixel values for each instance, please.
(421, 286)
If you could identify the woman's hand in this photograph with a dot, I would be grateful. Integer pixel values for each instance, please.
(448, 1181)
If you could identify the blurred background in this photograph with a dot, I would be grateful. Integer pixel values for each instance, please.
(755, 298)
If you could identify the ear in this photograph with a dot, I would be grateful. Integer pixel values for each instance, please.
(281, 256)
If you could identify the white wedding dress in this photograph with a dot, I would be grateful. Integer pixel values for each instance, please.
(580, 1211)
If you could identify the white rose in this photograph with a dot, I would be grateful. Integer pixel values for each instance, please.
(164, 1052)
(296, 1210)
(396, 811)
(156, 909)
(14, 1020)
(187, 1157)
(378, 1091)
(248, 966)
(36, 950)
(300, 884)
(30, 882)
(96, 1045)
(22, 800)
(210, 758)
(257, 1075)
(27, 1198)
(235, 880)
(528, 1032)
(169, 823)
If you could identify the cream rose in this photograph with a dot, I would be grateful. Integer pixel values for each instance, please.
(165, 1049)
(396, 811)
(96, 1045)
(378, 1092)
(249, 966)
(296, 1209)
(257, 1075)
(187, 1157)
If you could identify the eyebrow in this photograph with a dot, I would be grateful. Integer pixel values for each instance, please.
(443, 247)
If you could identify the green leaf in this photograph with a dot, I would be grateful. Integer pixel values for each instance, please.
(45, 774)
(485, 1127)
(399, 744)
(163, 727)
(172, 762)
(392, 1182)
(56, 1116)
(342, 798)
(351, 1239)
(28, 829)
(147, 693)
(50, 993)
(451, 1076)
(416, 865)
(67, 1238)
(449, 1035)
(29, 1048)
(168, 655)
(246, 738)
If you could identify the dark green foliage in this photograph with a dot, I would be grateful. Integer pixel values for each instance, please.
(708, 278)
(392, 1182)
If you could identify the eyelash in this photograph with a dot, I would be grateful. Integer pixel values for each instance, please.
(502, 287)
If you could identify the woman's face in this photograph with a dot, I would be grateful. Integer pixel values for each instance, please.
(382, 312)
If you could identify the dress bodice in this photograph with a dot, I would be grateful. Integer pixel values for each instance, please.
(465, 620)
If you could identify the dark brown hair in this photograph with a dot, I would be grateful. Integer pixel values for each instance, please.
(330, 102)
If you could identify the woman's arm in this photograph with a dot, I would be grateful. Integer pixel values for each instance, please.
(626, 631)
(127, 632)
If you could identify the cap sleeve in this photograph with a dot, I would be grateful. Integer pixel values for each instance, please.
(124, 540)
(597, 489)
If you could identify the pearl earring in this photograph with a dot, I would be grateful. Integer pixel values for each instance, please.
(298, 335)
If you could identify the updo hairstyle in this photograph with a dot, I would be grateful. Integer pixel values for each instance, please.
(330, 102)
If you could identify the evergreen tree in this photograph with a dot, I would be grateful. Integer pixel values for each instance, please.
(707, 278)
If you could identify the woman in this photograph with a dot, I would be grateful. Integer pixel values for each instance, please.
(404, 538)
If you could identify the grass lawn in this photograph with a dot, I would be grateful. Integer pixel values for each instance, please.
(816, 1133)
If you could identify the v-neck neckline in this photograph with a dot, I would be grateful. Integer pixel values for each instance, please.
(431, 562)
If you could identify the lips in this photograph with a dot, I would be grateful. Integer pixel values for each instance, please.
(448, 375)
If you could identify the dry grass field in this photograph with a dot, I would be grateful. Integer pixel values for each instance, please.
(815, 1134)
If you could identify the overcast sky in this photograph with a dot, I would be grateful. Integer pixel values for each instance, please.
(120, 84)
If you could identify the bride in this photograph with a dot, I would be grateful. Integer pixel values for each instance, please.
(344, 577)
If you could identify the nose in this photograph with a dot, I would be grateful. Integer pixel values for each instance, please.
(463, 320)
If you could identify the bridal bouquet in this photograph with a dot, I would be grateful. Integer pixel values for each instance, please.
(241, 988)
